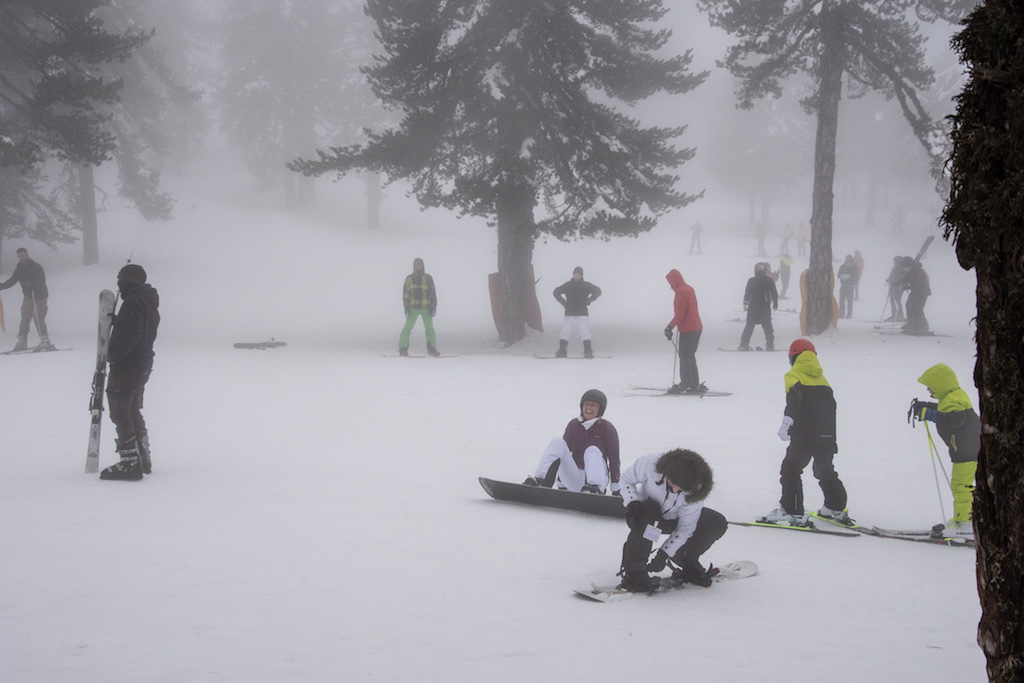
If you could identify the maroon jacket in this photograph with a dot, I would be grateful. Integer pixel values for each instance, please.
(686, 319)
(603, 435)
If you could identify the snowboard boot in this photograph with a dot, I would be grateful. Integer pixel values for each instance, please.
(129, 468)
(592, 488)
(142, 438)
(691, 571)
(637, 581)
(588, 352)
(432, 352)
(404, 352)
(22, 344)
(563, 349)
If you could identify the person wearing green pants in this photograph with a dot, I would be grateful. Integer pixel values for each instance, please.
(960, 428)
(420, 301)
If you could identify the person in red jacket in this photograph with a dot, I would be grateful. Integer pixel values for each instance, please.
(687, 321)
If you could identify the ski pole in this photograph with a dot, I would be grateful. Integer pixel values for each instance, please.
(675, 357)
(938, 486)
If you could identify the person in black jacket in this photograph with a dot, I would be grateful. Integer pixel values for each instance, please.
(915, 279)
(33, 306)
(809, 425)
(849, 277)
(575, 295)
(130, 354)
(759, 298)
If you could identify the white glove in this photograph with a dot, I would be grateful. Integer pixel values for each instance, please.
(787, 422)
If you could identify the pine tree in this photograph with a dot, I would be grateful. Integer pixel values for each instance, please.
(873, 44)
(291, 83)
(55, 97)
(508, 114)
(985, 217)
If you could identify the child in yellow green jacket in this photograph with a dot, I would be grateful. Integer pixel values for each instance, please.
(960, 428)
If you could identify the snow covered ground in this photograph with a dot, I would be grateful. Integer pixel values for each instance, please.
(314, 511)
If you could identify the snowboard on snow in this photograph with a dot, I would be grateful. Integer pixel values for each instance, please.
(417, 355)
(727, 572)
(262, 346)
(541, 496)
(99, 379)
(33, 350)
(658, 391)
(754, 349)
(554, 357)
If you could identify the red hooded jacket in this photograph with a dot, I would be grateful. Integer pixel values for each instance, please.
(686, 319)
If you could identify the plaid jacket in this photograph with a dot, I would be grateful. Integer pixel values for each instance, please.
(418, 292)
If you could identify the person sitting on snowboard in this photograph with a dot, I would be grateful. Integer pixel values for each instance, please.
(664, 494)
(960, 428)
(809, 425)
(586, 456)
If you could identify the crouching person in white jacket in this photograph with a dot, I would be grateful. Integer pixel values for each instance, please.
(664, 494)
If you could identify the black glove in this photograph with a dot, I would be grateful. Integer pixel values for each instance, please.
(912, 413)
(433, 312)
(633, 514)
(658, 563)
(668, 333)
(918, 408)
(407, 313)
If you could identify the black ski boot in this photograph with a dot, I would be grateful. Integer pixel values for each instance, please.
(588, 352)
(404, 352)
(129, 468)
(563, 349)
(22, 344)
(142, 438)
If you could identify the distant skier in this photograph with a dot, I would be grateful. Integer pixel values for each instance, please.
(33, 304)
(801, 240)
(759, 298)
(762, 235)
(130, 354)
(696, 230)
(848, 276)
(420, 301)
(915, 279)
(586, 456)
(894, 281)
(687, 321)
(809, 424)
(575, 295)
(664, 494)
(785, 269)
(960, 428)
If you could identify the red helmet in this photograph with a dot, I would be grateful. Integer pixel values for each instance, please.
(799, 346)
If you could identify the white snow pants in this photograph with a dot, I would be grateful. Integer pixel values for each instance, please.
(579, 323)
(572, 477)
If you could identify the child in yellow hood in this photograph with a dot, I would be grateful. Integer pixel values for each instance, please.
(809, 425)
(960, 428)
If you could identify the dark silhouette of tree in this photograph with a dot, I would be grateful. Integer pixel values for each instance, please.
(873, 44)
(985, 218)
(508, 114)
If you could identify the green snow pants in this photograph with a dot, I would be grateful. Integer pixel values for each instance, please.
(410, 322)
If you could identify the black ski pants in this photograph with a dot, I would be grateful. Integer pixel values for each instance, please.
(637, 550)
(765, 321)
(124, 398)
(796, 460)
(689, 377)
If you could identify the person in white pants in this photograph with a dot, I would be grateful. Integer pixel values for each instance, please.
(586, 457)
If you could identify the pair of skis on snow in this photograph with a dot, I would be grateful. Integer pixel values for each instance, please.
(854, 529)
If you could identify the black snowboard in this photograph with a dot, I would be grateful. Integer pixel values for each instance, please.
(590, 503)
